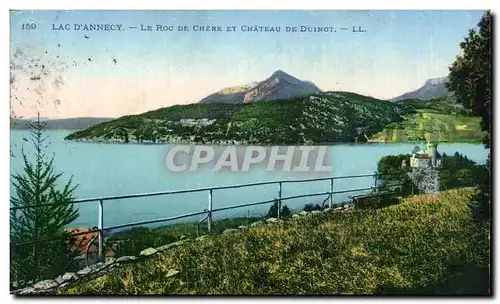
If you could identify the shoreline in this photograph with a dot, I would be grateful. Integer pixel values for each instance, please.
(374, 142)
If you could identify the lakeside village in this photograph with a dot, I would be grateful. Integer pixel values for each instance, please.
(430, 158)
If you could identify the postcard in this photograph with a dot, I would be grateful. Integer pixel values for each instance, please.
(231, 152)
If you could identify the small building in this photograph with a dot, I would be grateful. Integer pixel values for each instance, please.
(428, 158)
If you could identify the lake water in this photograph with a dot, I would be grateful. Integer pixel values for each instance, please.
(116, 169)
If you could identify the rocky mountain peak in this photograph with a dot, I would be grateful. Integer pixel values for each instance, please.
(280, 85)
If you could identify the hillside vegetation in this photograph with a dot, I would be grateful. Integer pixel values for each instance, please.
(317, 118)
(321, 117)
(442, 119)
(426, 244)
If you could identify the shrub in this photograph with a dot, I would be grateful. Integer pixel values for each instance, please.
(273, 210)
(311, 207)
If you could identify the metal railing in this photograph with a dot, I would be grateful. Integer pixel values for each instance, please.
(210, 210)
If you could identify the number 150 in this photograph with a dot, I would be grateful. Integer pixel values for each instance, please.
(28, 26)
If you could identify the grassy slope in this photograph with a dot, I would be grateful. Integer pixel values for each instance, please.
(443, 119)
(427, 244)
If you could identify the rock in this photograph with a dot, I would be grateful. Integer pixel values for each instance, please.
(303, 213)
(59, 280)
(64, 285)
(84, 271)
(98, 267)
(110, 260)
(327, 209)
(127, 258)
(45, 284)
(148, 252)
(315, 212)
(25, 291)
(255, 224)
(242, 227)
(272, 220)
(167, 246)
(172, 272)
(68, 276)
(295, 215)
(230, 231)
(183, 237)
(338, 208)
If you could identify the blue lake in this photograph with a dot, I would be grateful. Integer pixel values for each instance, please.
(102, 169)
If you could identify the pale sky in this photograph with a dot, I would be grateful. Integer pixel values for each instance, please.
(61, 73)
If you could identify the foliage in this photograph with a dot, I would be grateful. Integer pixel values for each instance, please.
(426, 244)
(44, 251)
(377, 201)
(459, 171)
(311, 207)
(443, 118)
(273, 210)
(390, 167)
(471, 73)
(321, 117)
(285, 212)
(455, 171)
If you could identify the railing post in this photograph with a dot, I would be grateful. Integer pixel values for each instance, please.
(100, 226)
(375, 182)
(279, 199)
(210, 210)
(331, 192)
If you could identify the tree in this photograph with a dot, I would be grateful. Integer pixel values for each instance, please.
(285, 212)
(39, 244)
(470, 74)
(273, 210)
(311, 207)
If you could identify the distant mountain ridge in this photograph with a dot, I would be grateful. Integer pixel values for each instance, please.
(278, 86)
(433, 88)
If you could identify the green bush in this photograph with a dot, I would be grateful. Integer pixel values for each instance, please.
(273, 210)
(311, 207)
(376, 202)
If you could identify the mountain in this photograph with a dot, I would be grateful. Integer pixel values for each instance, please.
(278, 86)
(324, 117)
(78, 123)
(231, 95)
(433, 88)
(315, 118)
